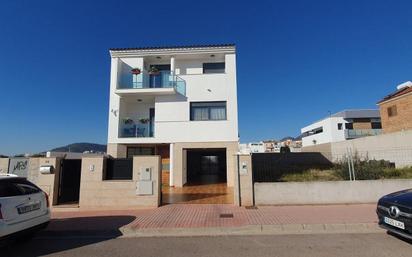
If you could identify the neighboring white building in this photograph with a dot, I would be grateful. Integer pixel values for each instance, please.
(177, 102)
(254, 147)
(344, 125)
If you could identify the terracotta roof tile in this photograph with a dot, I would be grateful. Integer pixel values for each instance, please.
(397, 93)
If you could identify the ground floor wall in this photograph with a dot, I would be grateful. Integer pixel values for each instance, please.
(96, 192)
(4, 165)
(395, 147)
(177, 163)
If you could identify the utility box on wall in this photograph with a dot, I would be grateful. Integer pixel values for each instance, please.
(145, 184)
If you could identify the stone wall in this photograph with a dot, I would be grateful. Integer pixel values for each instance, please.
(243, 180)
(95, 192)
(4, 165)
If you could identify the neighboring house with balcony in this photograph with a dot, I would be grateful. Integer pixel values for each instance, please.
(396, 109)
(344, 125)
(178, 102)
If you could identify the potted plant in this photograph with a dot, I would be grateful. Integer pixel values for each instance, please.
(144, 120)
(128, 121)
(136, 71)
(154, 71)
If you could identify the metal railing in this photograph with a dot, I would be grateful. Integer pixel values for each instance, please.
(161, 79)
(136, 130)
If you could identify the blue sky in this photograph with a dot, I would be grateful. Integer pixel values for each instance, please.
(297, 60)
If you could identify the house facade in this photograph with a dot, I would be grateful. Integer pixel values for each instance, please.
(396, 109)
(178, 102)
(341, 126)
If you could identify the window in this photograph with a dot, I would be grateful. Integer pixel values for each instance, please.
(215, 67)
(208, 111)
(313, 132)
(348, 125)
(15, 187)
(376, 125)
(392, 111)
(132, 151)
(339, 126)
(119, 169)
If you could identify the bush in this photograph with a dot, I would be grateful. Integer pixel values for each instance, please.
(364, 169)
(311, 175)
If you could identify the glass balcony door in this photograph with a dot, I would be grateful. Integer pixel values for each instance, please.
(160, 79)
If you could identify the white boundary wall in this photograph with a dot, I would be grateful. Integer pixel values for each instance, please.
(395, 147)
(330, 192)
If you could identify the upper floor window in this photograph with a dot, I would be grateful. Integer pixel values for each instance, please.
(208, 111)
(349, 125)
(376, 125)
(214, 67)
(392, 111)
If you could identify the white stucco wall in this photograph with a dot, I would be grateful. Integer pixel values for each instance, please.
(328, 192)
(172, 112)
(330, 131)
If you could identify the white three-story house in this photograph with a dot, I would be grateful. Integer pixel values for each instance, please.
(178, 102)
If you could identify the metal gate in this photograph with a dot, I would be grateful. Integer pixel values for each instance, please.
(119, 169)
(69, 186)
(269, 167)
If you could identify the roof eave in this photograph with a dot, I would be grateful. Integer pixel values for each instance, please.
(130, 52)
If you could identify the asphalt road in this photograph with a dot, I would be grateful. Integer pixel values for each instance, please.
(351, 245)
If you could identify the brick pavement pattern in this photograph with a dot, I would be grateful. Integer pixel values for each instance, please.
(210, 215)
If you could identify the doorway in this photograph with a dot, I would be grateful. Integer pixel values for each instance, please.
(69, 182)
(206, 179)
(206, 166)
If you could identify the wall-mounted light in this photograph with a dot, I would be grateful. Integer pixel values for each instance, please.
(139, 100)
(212, 55)
(158, 57)
(114, 112)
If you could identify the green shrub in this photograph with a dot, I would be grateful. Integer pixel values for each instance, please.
(311, 175)
(364, 169)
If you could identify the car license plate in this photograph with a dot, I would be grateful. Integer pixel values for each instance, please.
(394, 223)
(28, 208)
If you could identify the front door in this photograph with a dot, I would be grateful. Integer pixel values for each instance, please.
(69, 186)
(151, 121)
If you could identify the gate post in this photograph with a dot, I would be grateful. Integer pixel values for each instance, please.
(243, 191)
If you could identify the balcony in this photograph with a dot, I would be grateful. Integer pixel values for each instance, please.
(136, 130)
(145, 83)
(356, 133)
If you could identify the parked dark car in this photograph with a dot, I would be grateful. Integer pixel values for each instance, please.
(395, 213)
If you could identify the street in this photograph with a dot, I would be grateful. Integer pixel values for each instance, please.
(362, 245)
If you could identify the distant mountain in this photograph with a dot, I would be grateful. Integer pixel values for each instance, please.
(287, 138)
(291, 138)
(80, 148)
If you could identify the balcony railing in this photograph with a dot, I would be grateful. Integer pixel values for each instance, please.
(136, 130)
(356, 133)
(162, 79)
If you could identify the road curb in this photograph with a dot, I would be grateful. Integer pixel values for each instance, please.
(281, 229)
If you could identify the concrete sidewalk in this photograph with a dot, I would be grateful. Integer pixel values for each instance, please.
(205, 219)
